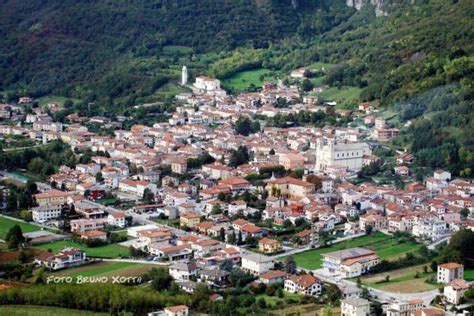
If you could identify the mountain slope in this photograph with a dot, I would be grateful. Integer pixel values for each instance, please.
(50, 46)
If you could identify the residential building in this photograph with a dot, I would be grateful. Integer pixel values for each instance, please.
(117, 219)
(290, 187)
(52, 197)
(405, 308)
(454, 291)
(305, 284)
(257, 264)
(83, 225)
(273, 276)
(448, 272)
(351, 262)
(183, 270)
(269, 246)
(180, 310)
(189, 220)
(355, 306)
(45, 213)
(68, 257)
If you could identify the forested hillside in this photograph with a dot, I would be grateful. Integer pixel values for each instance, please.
(58, 46)
(123, 52)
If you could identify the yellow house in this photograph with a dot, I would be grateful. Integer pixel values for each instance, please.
(52, 197)
(267, 245)
(189, 220)
(290, 187)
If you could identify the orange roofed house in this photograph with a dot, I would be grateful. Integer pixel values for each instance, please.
(448, 272)
(290, 187)
(305, 284)
(180, 310)
(267, 245)
(52, 197)
(189, 220)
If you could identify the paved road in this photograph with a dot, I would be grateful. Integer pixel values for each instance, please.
(139, 261)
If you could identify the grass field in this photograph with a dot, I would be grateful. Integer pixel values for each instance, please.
(469, 275)
(401, 280)
(318, 82)
(175, 49)
(385, 246)
(43, 101)
(320, 65)
(6, 224)
(272, 300)
(242, 80)
(106, 269)
(346, 97)
(28, 310)
(107, 251)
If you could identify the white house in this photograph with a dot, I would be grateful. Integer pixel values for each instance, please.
(68, 257)
(257, 264)
(183, 270)
(117, 219)
(454, 291)
(45, 213)
(355, 306)
(305, 284)
(448, 272)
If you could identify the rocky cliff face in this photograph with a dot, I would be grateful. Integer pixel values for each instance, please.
(379, 5)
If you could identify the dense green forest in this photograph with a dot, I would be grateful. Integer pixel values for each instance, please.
(112, 49)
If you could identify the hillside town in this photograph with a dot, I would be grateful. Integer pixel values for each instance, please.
(219, 187)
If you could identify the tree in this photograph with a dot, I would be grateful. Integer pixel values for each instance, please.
(160, 278)
(239, 157)
(244, 126)
(460, 249)
(231, 239)
(315, 180)
(464, 212)
(98, 177)
(148, 196)
(222, 234)
(261, 303)
(306, 85)
(239, 238)
(333, 293)
(368, 229)
(290, 265)
(14, 237)
(216, 209)
(434, 266)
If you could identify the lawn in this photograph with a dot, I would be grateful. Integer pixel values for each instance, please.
(386, 247)
(43, 101)
(242, 80)
(107, 251)
(320, 65)
(469, 275)
(6, 224)
(401, 280)
(106, 269)
(176, 49)
(345, 97)
(29, 310)
(272, 300)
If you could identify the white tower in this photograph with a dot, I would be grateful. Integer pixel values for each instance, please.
(184, 76)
